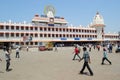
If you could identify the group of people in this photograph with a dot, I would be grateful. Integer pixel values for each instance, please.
(86, 58)
(110, 47)
(76, 52)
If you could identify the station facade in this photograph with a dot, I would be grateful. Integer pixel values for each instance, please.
(51, 28)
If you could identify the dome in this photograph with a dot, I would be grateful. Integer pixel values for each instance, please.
(98, 19)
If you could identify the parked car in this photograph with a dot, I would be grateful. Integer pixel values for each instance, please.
(117, 50)
(45, 46)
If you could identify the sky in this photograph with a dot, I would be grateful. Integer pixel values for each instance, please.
(76, 12)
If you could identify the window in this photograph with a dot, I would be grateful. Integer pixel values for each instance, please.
(12, 27)
(36, 35)
(17, 27)
(22, 28)
(67, 35)
(41, 35)
(45, 35)
(48, 29)
(56, 35)
(71, 35)
(41, 28)
(52, 29)
(22, 34)
(56, 29)
(73, 30)
(60, 29)
(52, 35)
(31, 43)
(76, 30)
(36, 28)
(49, 35)
(17, 34)
(1, 34)
(31, 34)
(31, 28)
(36, 43)
(67, 30)
(79, 35)
(6, 35)
(7, 27)
(1, 27)
(26, 28)
(76, 35)
(44, 29)
(63, 30)
(27, 34)
(63, 35)
(12, 34)
(60, 35)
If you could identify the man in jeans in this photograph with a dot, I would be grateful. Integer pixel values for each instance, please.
(86, 58)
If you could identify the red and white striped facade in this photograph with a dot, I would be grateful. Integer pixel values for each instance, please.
(54, 29)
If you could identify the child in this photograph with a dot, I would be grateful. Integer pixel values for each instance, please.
(105, 56)
(86, 58)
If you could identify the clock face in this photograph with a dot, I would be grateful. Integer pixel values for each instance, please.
(49, 11)
(51, 20)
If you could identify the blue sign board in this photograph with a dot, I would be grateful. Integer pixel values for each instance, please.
(50, 24)
(89, 38)
(76, 38)
(63, 38)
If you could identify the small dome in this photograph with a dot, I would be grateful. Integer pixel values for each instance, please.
(98, 19)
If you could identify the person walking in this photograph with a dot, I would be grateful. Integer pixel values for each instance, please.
(27, 48)
(17, 52)
(90, 47)
(98, 47)
(86, 58)
(56, 48)
(76, 53)
(111, 47)
(105, 56)
(7, 56)
(0, 59)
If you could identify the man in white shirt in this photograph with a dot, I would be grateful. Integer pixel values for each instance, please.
(17, 52)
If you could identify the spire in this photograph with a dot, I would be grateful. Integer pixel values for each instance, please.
(97, 13)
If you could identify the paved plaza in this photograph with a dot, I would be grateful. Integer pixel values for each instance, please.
(58, 65)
